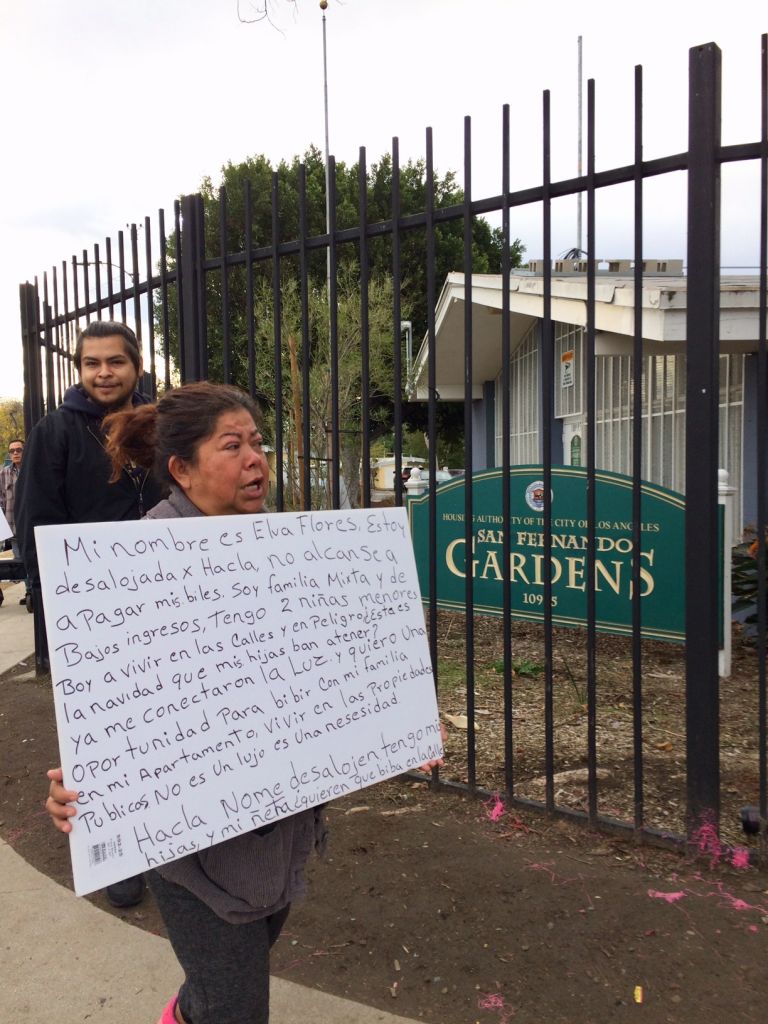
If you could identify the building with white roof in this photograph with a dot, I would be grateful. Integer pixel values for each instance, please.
(664, 308)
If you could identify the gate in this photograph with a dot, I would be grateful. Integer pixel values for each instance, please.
(193, 300)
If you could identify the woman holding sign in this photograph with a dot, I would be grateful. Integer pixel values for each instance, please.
(225, 906)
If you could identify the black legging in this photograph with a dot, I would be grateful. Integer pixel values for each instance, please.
(226, 965)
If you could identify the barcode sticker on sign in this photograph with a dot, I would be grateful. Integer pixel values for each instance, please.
(99, 853)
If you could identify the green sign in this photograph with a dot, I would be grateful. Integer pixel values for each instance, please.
(661, 554)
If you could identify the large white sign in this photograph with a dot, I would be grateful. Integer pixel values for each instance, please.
(212, 675)
(5, 530)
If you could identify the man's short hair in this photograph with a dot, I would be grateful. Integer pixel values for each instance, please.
(106, 329)
(16, 440)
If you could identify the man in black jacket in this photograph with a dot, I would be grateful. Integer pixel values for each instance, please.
(65, 473)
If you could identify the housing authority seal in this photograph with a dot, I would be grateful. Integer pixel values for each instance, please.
(534, 495)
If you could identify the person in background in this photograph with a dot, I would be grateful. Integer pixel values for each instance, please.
(9, 476)
(66, 475)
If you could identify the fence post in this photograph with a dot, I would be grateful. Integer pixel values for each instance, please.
(701, 444)
(415, 484)
(34, 408)
(30, 345)
(191, 356)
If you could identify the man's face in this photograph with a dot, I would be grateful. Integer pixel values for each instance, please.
(106, 371)
(16, 450)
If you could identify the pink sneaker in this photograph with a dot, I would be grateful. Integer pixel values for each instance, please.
(169, 1013)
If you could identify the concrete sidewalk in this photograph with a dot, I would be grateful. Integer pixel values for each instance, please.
(17, 636)
(63, 959)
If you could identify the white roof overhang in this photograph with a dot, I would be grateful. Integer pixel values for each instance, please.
(663, 312)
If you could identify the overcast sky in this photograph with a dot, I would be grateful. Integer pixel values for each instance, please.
(112, 108)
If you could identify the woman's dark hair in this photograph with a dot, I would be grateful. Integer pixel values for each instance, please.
(148, 435)
(106, 329)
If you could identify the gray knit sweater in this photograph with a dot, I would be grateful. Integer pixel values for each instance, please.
(256, 873)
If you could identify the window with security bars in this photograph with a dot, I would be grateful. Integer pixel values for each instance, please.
(524, 388)
(663, 411)
(569, 397)
(663, 415)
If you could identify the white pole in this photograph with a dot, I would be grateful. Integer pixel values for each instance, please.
(578, 162)
(725, 495)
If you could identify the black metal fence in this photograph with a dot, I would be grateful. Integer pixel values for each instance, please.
(192, 301)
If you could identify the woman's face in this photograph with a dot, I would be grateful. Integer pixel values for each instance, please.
(230, 475)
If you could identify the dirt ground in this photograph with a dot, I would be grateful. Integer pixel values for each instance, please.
(454, 911)
(662, 743)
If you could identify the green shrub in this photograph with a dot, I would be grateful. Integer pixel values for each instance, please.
(744, 585)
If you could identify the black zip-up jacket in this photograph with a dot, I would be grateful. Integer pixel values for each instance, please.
(65, 473)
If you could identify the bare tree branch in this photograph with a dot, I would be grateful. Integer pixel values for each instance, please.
(261, 10)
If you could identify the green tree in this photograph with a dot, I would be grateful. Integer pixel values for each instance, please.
(379, 382)
(449, 245)
(11, 424)
(227, 202)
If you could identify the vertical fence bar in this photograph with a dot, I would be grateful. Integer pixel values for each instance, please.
(66, 369)
(226, 341)
(75, 297)
(506, 459)
(365, 404)
(30, 343)
(62, 364)
(135, 285)
(110, 285)
(547, 345)
(637, 460)
(180, 290)
(277, 317)
(333, 323)
(306, 354)
(397, 332)
(202, 316)
(701, 443)
(547, 350)
(50, 378)
(469, 597)
(190, 344)
(150, 306)
(121, 267)
(97, 278)
(166, 325)
(762, 457)
(34, 409)
(431, 400)
(86, 287)
(75, 301)
(249, 315)
(591, 452)
(53, 368)
(65, 298)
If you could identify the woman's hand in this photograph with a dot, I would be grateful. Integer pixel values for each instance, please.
(60, 800)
